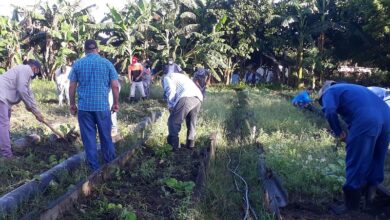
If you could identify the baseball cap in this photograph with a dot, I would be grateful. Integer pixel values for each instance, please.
(90, 44)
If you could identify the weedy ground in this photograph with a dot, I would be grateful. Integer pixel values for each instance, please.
(32, 160)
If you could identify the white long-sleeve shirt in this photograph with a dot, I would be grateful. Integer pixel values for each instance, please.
(15, 87)
(177, 86)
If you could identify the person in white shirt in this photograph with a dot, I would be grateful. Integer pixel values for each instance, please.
(15, 87)
(184, 101)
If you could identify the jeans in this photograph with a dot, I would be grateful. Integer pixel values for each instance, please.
(88, 122)
(5, 142)
(139, 86)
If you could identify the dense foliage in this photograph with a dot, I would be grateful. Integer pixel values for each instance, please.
(311, 37)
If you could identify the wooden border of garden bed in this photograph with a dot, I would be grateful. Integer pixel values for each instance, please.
(12, 200)
(208, 155)
(275, 196)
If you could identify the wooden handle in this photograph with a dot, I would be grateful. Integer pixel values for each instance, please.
(54, 130)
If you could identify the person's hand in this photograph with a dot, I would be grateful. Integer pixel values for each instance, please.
(73, 109)
(39, 117)
(115, 108)
(343, 136)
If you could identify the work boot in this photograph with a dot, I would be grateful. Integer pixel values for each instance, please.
(190, 144)
(174, 142)
(351, 202)
(369, 192)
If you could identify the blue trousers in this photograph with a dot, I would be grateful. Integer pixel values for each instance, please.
(88, 122)
(365, 160)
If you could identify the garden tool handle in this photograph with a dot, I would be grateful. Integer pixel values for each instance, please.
(53, 129)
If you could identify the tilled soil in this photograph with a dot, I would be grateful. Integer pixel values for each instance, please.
(141, 188)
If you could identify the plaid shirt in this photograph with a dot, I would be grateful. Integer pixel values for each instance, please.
(177, 86)
(93, 75)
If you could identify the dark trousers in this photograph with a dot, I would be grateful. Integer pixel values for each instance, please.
(187, 108)
(88, 122)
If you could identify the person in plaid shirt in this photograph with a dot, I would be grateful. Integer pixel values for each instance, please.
(93, 76)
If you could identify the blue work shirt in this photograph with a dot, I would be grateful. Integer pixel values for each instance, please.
(302, 97)
(363, 111)
(93, 74)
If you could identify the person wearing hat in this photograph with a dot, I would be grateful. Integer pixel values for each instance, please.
(93, 76)
(172, 67)
(135, 71)
(368, 120)
(15, 87)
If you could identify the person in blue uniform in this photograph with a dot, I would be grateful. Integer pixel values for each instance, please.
(303, 100)
(368, 120)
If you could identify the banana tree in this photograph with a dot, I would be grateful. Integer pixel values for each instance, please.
(10, 51)
(55, 32)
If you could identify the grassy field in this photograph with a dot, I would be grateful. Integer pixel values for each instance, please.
(297, 145)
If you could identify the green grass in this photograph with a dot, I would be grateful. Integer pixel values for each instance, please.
(297, 146)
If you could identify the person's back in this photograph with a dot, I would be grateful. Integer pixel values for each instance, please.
(9, 83)
(379, 91)
(200, 76)
(177, 85)
(360, 108)
(94, 77)
(302, 97)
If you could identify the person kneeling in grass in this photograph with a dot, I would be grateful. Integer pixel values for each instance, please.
(15, 87)
(184, 100)
(303, 100)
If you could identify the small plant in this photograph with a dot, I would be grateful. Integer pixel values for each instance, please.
(179, 186)
(148, 168)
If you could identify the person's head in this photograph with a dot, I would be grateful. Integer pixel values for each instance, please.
(35, 67)
(91, 46)
(325, 87)
(170, 61)
(134, 60)
(310, 89)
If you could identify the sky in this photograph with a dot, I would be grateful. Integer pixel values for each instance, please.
(98, 12)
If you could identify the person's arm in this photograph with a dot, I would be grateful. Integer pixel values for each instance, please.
(169, 91)
(23, 88)
(115, 94)
(179, 68)
(330, 104)
(72, 97)
(306, 98)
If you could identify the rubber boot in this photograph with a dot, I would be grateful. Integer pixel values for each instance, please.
(132, 99)
(174, 142)
(351, 202)
(190, 144)
(369, 192)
